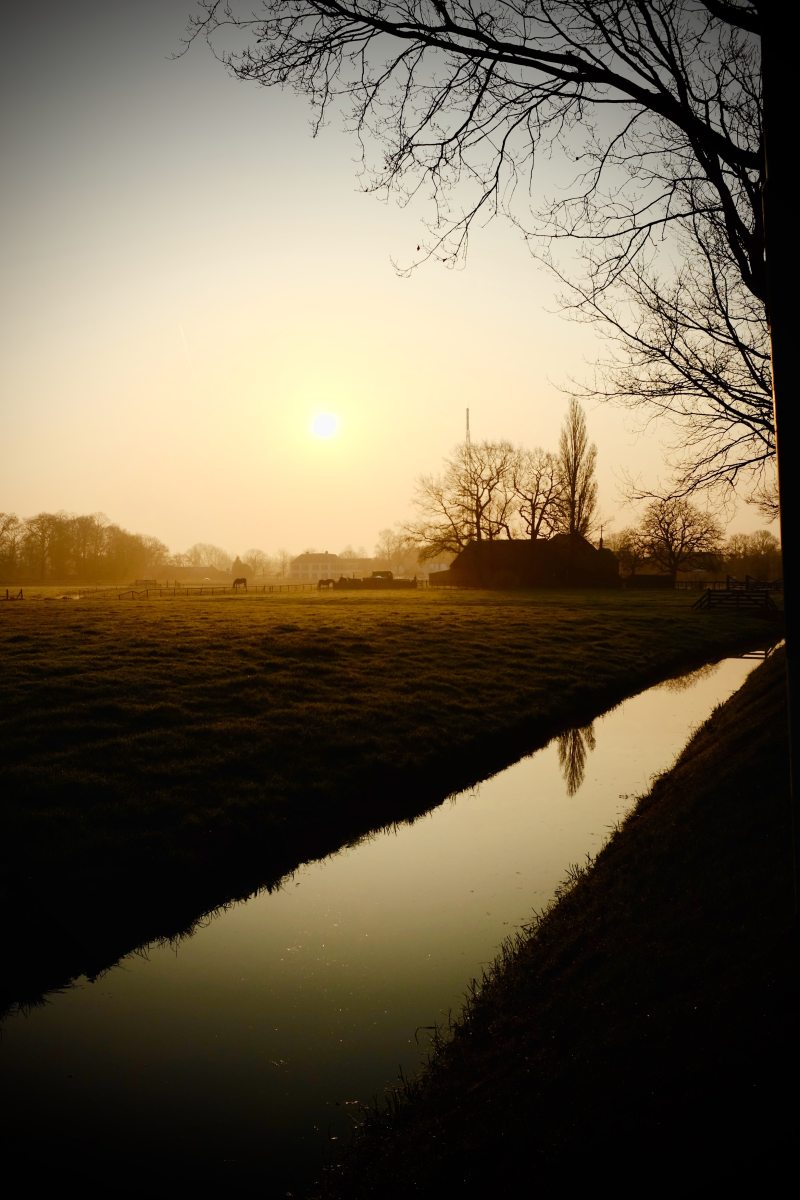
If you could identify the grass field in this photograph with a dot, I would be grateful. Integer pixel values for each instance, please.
(207, 745)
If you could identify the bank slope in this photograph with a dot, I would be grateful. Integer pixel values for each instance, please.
(644, 1032)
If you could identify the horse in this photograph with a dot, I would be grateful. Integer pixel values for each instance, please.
(240, 582)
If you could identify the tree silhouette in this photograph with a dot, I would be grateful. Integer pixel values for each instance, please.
(671, 110)
(577, 460)
(675, 532)
(656, 110)
(472, 500)
(536, 484)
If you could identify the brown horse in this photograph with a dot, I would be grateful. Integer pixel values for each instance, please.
(240, 582)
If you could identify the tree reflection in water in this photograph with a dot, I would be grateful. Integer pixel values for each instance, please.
(575, 745)
(573, 749)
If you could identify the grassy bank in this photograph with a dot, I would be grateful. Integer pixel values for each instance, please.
(642, 1034)
(161, 757)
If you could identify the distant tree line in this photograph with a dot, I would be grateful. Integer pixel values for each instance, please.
(204, 556)
(62, 547)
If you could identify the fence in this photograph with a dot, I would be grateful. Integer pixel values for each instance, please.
(211, 589)
(738, 594)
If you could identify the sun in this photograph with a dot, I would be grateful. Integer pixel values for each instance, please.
(325, 425)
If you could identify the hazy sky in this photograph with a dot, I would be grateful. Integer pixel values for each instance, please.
(189, 276)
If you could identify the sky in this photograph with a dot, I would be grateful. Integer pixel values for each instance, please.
(189, 278)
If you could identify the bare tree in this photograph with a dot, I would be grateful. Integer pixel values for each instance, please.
(690, 345)
(395, 548)
(537, 488)
(131, 555)
(204, 554)
(353, 552)
(283, 560)
(757, 554)
(12, 533)
(453, 89)
(88, 544)
(440, 526)
(766, 498)
(473, 500)
(658, 114)
(259, 561)
(653, 110)
(672, 111)
(45, 549)
(675, 532)
(576, 465)
(630, 547)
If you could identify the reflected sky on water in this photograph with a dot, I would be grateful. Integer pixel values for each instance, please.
(241, 1049)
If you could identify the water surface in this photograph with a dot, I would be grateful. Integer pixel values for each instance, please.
(241, 1050)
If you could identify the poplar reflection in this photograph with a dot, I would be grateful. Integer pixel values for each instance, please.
(573, 749)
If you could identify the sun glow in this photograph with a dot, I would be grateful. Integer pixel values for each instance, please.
(325, 425)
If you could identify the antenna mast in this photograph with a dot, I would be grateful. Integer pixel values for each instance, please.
(467, 438)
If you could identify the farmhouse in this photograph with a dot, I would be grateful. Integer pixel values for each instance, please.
(562, 561)
(311, 567)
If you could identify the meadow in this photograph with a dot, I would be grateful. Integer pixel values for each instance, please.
(162, 756)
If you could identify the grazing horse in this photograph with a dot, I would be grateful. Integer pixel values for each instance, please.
(240, 582)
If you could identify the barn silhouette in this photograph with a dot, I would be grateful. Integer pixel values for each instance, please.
(566, 560)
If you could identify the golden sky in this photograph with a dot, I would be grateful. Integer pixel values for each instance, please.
(189, 277)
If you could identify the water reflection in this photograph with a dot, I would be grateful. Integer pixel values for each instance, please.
(684, 683)
(239, 1051)
(573, 748)
(575, 745)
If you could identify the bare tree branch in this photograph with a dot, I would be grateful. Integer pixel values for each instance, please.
(462, 99)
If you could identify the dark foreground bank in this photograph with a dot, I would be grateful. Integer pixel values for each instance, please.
(643, 1036)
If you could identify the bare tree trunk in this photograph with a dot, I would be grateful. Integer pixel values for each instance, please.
(780, 236)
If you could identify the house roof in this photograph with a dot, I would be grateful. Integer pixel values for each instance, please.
(323, 556)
